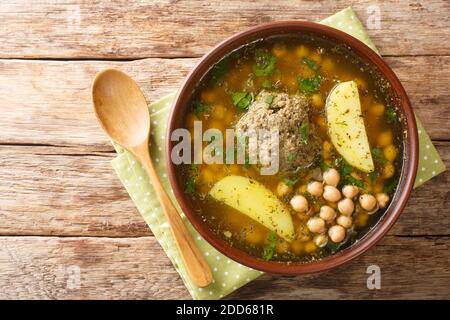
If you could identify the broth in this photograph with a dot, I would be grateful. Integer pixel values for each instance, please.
(291, 65)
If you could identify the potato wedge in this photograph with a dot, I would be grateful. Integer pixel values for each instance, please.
(256, 201)
(346, 126)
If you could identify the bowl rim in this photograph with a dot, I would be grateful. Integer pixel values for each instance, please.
(410, 156)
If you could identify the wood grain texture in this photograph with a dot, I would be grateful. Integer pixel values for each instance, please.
(66, 192)
(40, 98)
(165, 28)
(47, 268)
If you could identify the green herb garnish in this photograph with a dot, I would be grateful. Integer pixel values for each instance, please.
(354, 182)
(373, 176)
(200, 108)
(346, 177)
(269, 100)
(346, 169)
(242, 100)
(310, 85)
(267, 84)
(292, 156)
(391, 186)
(264, 63)
(219, 71)
(290, 182)
(191, 179)
(378, 155)
(304, 131)
(269, 248)
(323, 165)
(311, 64)
(391, 115)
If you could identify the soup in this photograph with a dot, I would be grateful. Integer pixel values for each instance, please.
(323, 198)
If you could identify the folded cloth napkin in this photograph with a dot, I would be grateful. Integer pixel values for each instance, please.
(228, 275)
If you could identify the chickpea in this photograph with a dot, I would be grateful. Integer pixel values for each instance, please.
(219, 112)
(388, 170)
(301, 51)
(367, 202)
(331, 177)
(327, 213)
(302, 189)
(390, 153)
(385, 138)
(350, 191)
(382, 199)
(310, 247)
(316, 225)
(331, 194)
(299, 203)
(279, 50)
(315, 188)
(320, 240)
(346, 207)
(336, 233)
(283, 189)
(317, 100)
(228, 117)
(377, 188)
(297, 247)
(327, 65)
(344, 221)
(208, 96)
(361, 219)
(206, 176)
(377, 109)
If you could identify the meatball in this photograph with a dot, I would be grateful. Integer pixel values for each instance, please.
(298, 142)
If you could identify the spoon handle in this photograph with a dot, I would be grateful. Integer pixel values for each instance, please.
(196, 265)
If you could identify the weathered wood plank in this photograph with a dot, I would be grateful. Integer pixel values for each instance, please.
(411, 268)
(109, 29)
(63, 191)
(48, 102)
(137, 268)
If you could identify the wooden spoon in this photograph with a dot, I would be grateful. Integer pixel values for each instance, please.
(122, 112)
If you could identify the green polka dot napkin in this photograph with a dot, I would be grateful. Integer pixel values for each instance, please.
(228, 275)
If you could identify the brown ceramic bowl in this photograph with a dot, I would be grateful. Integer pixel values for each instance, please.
(410, 145)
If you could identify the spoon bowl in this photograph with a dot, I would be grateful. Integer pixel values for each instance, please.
(113, 90)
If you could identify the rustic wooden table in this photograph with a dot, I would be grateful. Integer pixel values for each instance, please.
(63, 213)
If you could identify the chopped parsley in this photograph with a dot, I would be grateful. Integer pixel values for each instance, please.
(390, 187)
(378, 155)
(264, 63)
(190, 181)
(323, 165)
(304, 131)
(346, 177)
(242, 100)
(391, 115)
(373, 176)
(292, 156)
(269, 248)
(290, 182)
(267, 84)
(311, 64)
(310, 85)
(354, 182)
(200, 108)
(219, 71)
(269, 100)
